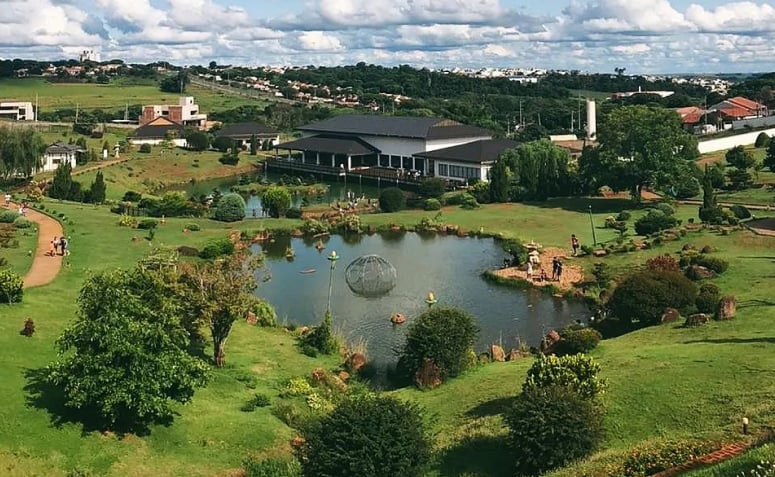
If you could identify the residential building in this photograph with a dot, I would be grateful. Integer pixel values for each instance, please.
(89, 55)
(60, 153)
(242, 133)
(186, 112)
(17, 110)
(690, 116)
(737, 108)
(157, 131)
(472, 160)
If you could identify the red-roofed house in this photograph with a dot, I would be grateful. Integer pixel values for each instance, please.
(690, 115)
(734, 109)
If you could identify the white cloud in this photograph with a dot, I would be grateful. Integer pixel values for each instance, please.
(743, 17)
(50, 25)
(318, 41)
(631, 49)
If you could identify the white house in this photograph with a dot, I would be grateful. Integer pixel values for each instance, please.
(60, 153)
(17, 110)
(158, 131)
(468, 161)
(186, 112)
(354, 141)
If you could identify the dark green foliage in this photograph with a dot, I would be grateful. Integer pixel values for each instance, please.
(148, 224)
(443, 335)
(643, 296)
(196, 140)
(216, 248)
(577, 340)
(500, 179)
(654, 221)
(229, 159)
(686, 187)
(293, 213)
(265, 313)
(551, 427)
(171, 204)
(125, 359)
(223, 144)
(174, 84)
(367, 435)
(230, 208)
(739, 178)
(20, 152)
(708, 298)
(602, 273)
(321, 338)
(769, 158)
(253, 145)
(762, 140)
(276, 200)
(469, 202)
(537, 170)
(61, 185)
(741, 212)
(193, 227)
(432, 187)
(624, 216)
(665, 208)
(144, 148)
(11, 287)
(22, 223)
(187, 251)
(392, 199)
(432, 204)
(711, 263)
(276, 467)
(738, 157)
(97, 189)
(8, 217)
(577, 372)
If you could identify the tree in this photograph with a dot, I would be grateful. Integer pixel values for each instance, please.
(644, 296)
(276, 200)
(740, 158)
(97, 189)
(196, 140)
(539, 169)
(769, 158)
(500, 181)
(20, 152)
(372, 434)
(174, 84)
(221, 292)
(639, 146)
(63, 181)
(125, 358)
(392, 199)
(445, 336)
(230, 208)
(253, 145)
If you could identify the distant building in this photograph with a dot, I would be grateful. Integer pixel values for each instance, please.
(243, 132)
(89, 55)
(186, 112)
(737, 108)
(60, 153)
(690, 116)
(472, 160)
(17, 110)
(628, 94)
(157, 131)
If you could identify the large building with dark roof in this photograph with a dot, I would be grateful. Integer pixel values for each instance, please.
(471, 160)
(353, 142)
(157, 131)
(242, 133)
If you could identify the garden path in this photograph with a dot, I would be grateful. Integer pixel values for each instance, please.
(45, 266)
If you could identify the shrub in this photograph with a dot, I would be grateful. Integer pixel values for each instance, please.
(367, 435)
(577, 372)
(433, 187)
(551, 427)
(602, 273)
(712, 263)
(741, 212)
(654, 221)
(22, 223)
(148, 224)
(229, 159)
(314, 227)
(8, 217)
(687, 188)
(188, 251)
(576, 340)
(275, 467)
(230, 208)
(624, 216)
(469, 202)
(643, 296)
(192, 227)
(444, 336)
(145, 148)
(711, 215)
(321, 338)
(132, 196)
(276, 200)
(216, 248)
(708, 298)
(392, 199)
(11, 287)
(652, 458)
(29, 328)
(293, 213)
(265, 313)
(762, 140)
(432, 204)
(663, 263)
(665, 208)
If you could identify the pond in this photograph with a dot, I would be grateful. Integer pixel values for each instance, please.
(448, 266)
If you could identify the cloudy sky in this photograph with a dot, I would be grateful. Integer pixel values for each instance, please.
(592, 35)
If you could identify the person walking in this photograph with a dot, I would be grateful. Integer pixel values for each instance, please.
(63, 246)
(574, 243)
(529, 270)
(559, 270)
(7, 199)
(55, 244)
(555, 262)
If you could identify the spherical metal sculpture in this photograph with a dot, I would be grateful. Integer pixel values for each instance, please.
(370, 275)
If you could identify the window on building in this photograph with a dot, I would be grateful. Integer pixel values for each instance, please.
(443, 170)
(458, 172)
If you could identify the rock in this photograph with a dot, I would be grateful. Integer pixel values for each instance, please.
(497, 353)
(355, 362)
(297, 442)
(318, 375)
(461, 233)
(428, 376)
(670, 315)
(698, 272)
(397, 319)
(252, 319)
(514, 355)
(297, 233)
(344, 376)
(726, 308)
(599, 253)
(304, 330)
(696, 319)
(549, 342)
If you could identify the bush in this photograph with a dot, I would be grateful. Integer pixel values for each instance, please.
(392, 199)
(711, 215)
(265, 313)
(444, 336)
(665, 208)
(652, 458)
(469, 202)
(192, 227)
(321, 338)
(740, 211)
(145, 148)
(687, 188)
(367, 435)
(229, 159)
(654, 221)
(762, 140)
(433, 187)
(230, 208)
(314, 227)
(275, 467)
(711, 263)
(8, 217)
(216, 248)
(293, 213)
(148, 224)
(132, 196)
(11, 287)
(22, 223)
(276, 200)
(663, 263)
(551, 427)
(708, 298)
(624, 216)
(643, 296)
(576, 340)
(577, 372)
(188, 251)
(432, 204)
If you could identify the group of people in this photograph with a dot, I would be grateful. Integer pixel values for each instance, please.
(542, 276)
(59, 245)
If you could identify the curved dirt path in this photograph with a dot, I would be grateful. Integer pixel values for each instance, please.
(45, 267)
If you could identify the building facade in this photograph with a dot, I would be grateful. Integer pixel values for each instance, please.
(17, 110)
(60, 153)
(186, 112)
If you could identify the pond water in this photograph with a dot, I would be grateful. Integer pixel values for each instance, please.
(450, 267)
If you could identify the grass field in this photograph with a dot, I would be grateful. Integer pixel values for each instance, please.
(664, 381)
(18, 258)
(111, 96)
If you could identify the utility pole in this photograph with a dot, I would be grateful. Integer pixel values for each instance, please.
(76, 113)
(521, 122)
(571, 121)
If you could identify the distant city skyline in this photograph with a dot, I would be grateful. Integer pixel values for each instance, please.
(643, 36)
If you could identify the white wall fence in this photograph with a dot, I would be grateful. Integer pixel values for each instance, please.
(726, 143)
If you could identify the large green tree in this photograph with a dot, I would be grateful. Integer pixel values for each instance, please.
(639, 145)
(124, 359)
(62, 185)
(20, 152)
(740, 158)
(276, 200)
(97, 189)
(500, 179)
(537, 170)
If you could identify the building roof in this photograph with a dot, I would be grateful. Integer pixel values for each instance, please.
(158, 129)
(476, 152)
(396, 126)
(738, 107)
(690, 114)
(246, 130)
(60, 147)
(331, 144)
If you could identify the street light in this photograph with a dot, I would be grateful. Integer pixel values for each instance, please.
(431, 300)
(592, 224)
(344, 173)
(333, 257)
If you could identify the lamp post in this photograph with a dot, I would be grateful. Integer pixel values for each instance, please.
(344, 173)
(431, 300)
(333, 257)
(592, 225)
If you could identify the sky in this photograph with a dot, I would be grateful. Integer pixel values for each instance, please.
(643, 36)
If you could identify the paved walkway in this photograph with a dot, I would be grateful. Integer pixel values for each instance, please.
(44, 267)
(725, 453)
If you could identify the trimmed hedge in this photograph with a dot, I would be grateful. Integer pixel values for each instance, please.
(216, 248)
(392, 199)
(231, 208)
